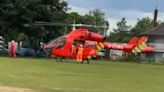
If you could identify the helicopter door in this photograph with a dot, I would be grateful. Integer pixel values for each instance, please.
(78, 42)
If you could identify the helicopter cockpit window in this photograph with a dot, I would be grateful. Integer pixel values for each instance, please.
(60, 42)
(57, 43)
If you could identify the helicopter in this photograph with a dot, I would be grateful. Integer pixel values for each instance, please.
(60, 48)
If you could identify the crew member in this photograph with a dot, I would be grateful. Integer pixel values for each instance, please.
(79, 56)
(12, 49)
(73, 49)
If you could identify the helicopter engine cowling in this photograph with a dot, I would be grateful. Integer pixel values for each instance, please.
(84, 34)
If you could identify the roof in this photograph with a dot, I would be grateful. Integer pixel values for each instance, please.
(159, 30)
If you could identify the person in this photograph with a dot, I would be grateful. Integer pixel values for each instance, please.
(41, 45)
(12, 49)
(79, 56)
(40, 50)
(73, 49)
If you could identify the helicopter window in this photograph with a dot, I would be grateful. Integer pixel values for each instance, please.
(57, 43)
(60, 42)
(90, 44)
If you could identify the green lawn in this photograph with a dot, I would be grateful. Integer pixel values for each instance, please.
(46, 75)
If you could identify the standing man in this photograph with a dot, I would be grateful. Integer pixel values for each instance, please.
(12, 49)
(79, 56)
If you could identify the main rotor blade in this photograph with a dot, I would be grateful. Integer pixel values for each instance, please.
(41, 23)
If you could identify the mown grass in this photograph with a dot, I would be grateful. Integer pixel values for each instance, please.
(46, 75)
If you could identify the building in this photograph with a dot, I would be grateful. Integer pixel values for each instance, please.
(156, 38)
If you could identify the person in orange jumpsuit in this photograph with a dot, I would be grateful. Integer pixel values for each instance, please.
(12, 51)
(79, 56)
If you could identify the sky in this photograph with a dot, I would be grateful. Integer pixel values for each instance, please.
(115, 10)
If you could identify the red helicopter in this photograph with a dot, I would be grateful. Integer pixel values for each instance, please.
(61, 47)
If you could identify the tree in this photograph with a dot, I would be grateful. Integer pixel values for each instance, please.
(16, 13)
(96, 17)
(122, 33)
(93, 17)
(142, 26)
(73, 17)
(122, 26)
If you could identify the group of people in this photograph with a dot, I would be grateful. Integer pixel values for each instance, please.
(78, 51)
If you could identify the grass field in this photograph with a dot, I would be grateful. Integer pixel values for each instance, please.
(46, 75)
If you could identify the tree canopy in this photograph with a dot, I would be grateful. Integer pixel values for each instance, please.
(124, 32)
(143, 25)
(93, 17)
(121, 33)
(16, 13)
(18, 16)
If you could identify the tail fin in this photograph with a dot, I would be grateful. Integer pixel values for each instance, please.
(141, 45)
(134, 40)
(142, 39)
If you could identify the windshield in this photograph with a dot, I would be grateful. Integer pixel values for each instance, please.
(57, 43)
